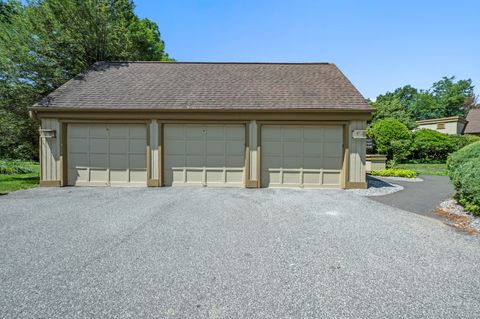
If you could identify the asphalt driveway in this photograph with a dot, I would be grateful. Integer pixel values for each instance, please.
(228, 253)
(419, 197)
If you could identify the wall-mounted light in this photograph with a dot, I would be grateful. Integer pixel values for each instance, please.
(359, 134)
(48, 133)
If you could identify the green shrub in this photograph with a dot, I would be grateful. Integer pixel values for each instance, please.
(464, 171)
(397, 172)
(463, 155)
(392, 138)
(431, 145)
(460, 141)
(14, 167)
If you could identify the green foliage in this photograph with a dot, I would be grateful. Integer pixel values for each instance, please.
(392, 138)
(396, 172)
(439, 169)
(460, 141)
(464, 171)
(15, 181)
(407, 104)
(465, 154)
(44, 43)
(430, 144)
(14, 167)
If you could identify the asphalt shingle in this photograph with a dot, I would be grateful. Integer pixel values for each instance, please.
(177, 85)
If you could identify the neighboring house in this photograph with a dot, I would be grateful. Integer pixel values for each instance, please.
(204, 124)
(473, 125)
(446, 125)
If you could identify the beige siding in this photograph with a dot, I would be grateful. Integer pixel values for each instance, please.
(154, 136)
(253, 136)
(448, 128)
(50, 151)
(357, 150)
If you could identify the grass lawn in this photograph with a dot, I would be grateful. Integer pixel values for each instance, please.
(14, 182)
(426, 169)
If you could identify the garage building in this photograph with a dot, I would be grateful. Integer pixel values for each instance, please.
(204, 124)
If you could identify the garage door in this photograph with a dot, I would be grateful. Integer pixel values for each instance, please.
(204, 155)
(301, 156)
(107, 154)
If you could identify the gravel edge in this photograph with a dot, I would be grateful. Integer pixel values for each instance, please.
(452, 206)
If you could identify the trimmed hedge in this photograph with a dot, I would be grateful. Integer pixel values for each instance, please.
(431, 145)
(464, 171)
(395, 172)
(392, 138)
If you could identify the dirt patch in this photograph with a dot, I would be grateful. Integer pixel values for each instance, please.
(458, 221)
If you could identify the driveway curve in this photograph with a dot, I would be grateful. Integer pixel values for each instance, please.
(228, 253)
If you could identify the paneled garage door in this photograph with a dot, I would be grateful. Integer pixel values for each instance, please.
(204, 155)
(301, 156)
(107, 154)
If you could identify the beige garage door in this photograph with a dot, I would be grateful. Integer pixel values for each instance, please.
(301, 156)
(107, 154)
(204, 155)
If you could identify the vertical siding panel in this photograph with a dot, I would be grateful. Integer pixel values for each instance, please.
(153, 127)
(357, 153)
(252, 127)
(50, 151)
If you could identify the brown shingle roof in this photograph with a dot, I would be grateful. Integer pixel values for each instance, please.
(177, 85)
(473, 125)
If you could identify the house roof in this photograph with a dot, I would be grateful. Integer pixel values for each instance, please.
(473, 125)
(443, 120)
(189, 85)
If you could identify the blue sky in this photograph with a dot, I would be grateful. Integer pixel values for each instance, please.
(379, 45)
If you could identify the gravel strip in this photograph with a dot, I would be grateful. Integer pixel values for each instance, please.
(452, 206)
(376, 187)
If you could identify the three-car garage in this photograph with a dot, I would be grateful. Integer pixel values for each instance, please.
(204, 124)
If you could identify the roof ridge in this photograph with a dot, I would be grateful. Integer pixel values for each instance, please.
(218, 62)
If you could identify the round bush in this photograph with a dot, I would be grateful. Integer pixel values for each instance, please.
(431, 145)
(463, 155)
(464, 171)
(388, 130)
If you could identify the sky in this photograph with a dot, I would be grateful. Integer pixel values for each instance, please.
(379, 45)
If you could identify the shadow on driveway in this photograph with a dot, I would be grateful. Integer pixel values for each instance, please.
(418, 197)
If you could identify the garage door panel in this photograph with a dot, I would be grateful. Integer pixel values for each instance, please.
(106, 154)
(98, 131)
(235, 133)
(292, 162)
(214, 154)
(235, 147)
(78, 159)
(137, 146)
(297, 156)
(118, 131)
(138, 175)
(137, 160)
(118, 161)
(138, 132)
(292, 134)
(215, 161)
(98, 160)
(272, 148)
(292, 148)
(312, 148)
(118, 146)
(331, 178)
(332, 134)
(194, 147)
(216, 147)
(118, 176)
(98, 175)
(195, 161)
(234, 161)
(195, 132)
(312, 178)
